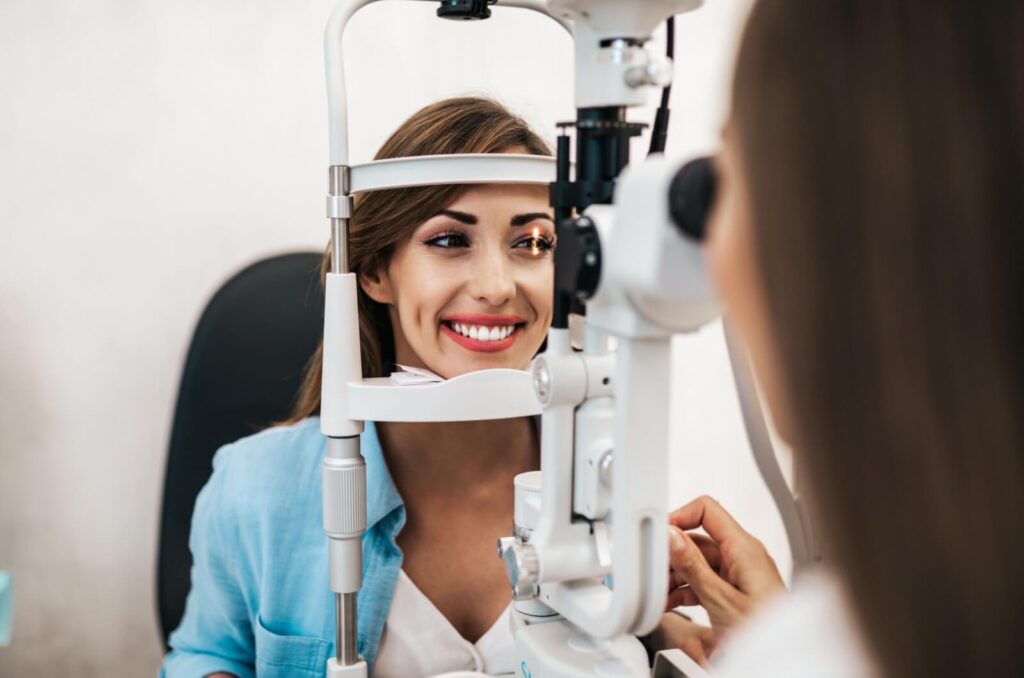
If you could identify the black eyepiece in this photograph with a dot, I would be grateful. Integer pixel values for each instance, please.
(465, 10)
(691, 195)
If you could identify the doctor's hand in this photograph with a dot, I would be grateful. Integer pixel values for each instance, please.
(727, 572)
(678, 632)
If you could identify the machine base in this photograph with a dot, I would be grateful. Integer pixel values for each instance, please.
(556, 649)
(336, 670)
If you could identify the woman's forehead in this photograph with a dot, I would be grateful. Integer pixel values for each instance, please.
(503, 196)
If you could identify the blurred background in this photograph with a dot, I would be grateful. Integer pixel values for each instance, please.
(148, 151)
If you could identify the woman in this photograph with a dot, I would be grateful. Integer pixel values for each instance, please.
(452, 279)
(867, 240)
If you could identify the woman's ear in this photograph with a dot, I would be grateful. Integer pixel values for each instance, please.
(374, 280)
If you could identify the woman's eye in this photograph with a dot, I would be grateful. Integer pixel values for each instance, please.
(449, 240)
(535, 243)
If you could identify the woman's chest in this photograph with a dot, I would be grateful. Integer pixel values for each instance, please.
(456, 568)
(419, 640)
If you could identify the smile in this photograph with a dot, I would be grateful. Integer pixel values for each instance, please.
(485, 334)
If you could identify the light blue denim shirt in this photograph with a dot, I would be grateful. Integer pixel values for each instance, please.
(260, 602)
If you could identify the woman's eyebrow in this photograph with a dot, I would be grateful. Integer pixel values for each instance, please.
(462, 217)
(523, 219)
(517, 220)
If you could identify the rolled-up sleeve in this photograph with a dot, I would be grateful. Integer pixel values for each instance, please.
(215, 634)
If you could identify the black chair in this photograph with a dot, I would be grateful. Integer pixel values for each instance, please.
(242, 374)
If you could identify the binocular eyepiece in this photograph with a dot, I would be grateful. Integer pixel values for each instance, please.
(690, 197)
(465, 10)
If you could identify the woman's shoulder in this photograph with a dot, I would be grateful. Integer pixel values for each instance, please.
(282, 445)
(279, 463)
(272, 480)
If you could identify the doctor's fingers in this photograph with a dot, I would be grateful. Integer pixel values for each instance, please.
(744, 560)
(724, 602)
(683, 596)
(676, 631)
(704, 512)
(708, 548)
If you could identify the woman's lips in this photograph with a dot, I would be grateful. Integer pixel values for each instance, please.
(482, 322)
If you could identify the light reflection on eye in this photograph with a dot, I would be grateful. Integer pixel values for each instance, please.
(536, 244)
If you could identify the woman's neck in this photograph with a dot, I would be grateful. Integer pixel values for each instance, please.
(465, 457)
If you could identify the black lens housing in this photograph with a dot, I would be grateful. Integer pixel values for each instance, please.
(691, 196)
(465, 10)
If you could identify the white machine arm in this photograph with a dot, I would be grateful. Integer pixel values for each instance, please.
(337, 97)
(591, 570)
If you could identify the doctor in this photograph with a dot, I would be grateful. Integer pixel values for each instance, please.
(868, 239)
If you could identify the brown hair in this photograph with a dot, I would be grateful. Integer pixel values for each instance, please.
(382, 219)
(883, 143)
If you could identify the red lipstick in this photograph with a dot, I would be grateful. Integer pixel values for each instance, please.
(449, 322)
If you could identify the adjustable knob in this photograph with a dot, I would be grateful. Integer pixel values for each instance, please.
(578, 258)
(522, 567)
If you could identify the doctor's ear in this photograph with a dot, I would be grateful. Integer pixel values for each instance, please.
(374, 280)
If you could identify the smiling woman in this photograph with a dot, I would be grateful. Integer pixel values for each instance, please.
(453, 279)
(471, 288)
(385, 221)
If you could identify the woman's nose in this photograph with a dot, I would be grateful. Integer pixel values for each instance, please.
(492, 280)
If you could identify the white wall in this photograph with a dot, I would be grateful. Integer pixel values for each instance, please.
(150, 149)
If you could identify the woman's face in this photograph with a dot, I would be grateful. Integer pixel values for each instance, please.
(738, 277)
(471, 289)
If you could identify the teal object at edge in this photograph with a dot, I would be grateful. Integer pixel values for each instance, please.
(6, 608)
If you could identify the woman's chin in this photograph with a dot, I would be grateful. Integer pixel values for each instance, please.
(454, 367)
(476, 366)
(458, 359)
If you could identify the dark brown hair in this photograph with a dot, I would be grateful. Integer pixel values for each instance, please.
(883, 143)
(382, 219)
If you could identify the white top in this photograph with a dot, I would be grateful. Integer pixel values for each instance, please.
(806, 634)
(420, 641)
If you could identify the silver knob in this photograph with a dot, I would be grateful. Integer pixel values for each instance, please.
(604, 467)
(542, 380)
(522, 567)
(657, 72)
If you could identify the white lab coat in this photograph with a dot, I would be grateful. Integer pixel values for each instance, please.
(808, 633)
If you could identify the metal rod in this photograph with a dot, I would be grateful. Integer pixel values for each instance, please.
(338, 641)
(339, 245)
(347, 643)
(338, 184)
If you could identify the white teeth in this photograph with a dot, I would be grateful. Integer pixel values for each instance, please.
(482, 333)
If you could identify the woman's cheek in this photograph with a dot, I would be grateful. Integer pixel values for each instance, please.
(539, 278)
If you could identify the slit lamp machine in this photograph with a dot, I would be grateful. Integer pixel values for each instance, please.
(588, 557)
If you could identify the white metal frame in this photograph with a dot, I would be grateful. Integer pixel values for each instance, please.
(346, 398)
(598, 581)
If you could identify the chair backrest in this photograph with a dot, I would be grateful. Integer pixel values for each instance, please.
(242, 374)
